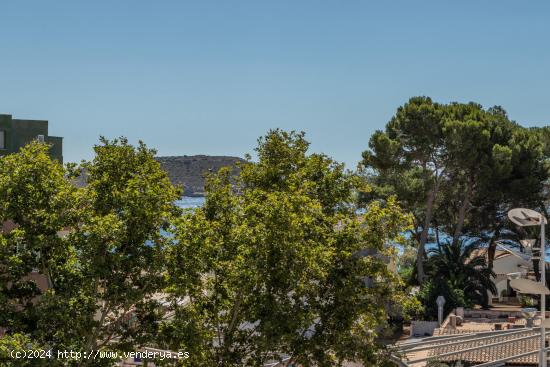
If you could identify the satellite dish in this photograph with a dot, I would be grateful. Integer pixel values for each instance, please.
(528, 286)
(525, 217)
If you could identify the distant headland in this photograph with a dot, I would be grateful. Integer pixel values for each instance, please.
(189, 170)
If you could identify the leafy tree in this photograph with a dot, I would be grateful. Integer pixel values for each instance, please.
(495, 165)
(406, 263)
(477, 153)
(10, 344)
(461, 177)
(104, 272)
(407, 160)
(460, 274)
(35, 194)
(433, 288)
(278, 264)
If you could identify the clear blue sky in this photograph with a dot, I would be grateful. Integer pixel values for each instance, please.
(191, 77)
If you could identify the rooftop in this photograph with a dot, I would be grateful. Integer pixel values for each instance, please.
(481, 339)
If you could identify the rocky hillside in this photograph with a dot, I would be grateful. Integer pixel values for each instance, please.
(189, 170)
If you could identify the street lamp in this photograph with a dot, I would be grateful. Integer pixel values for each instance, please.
(525, 218)
(440, 303)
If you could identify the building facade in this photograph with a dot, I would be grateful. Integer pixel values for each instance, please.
(16, 133)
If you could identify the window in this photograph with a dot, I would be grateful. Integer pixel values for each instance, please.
(40, 138)
(2, 139)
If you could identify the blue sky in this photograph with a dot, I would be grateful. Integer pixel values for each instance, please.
(210, 77)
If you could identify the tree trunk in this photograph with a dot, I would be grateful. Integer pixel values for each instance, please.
(436, 224)
(424, 235)
(491, 250)
(462, 213)
(543, 209)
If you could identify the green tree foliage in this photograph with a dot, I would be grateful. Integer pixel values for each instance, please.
(457, 168)
(496, 165)
(11, 344)
(407, 160)
(406, 262)
(433, 288)
(278, 264)
(35, 194)
(459, 272)
(103, 272)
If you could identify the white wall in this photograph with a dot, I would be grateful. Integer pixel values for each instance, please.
(505, 265)
(509, 264)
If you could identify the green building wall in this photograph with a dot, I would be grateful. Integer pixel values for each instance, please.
(18, 133)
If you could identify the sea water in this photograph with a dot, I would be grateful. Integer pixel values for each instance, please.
(190, 202)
